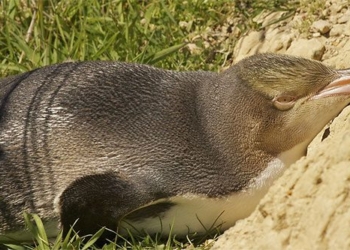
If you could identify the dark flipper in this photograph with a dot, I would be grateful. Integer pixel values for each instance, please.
(99, 200)
(151, 211)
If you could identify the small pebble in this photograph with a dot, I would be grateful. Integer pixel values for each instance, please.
(321, 26)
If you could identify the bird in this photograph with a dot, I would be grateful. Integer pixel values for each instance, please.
(134, 148)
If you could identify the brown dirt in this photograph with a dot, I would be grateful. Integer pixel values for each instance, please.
(309, 206)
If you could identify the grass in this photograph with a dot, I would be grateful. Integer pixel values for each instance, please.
(73, 241)
(314, 12)
(43, 32)
(172, 34)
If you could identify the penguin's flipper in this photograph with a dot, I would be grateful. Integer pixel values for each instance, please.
(100, 200)
(153, 210)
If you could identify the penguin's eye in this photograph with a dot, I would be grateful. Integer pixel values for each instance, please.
(284, 102)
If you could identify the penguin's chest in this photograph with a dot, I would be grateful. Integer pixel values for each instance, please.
(186, 214)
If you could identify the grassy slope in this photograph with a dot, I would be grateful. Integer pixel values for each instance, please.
(42, 32)
(139, 31)
(173, 34)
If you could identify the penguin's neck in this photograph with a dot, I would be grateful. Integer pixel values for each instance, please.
(234, 132)
(277, 165)
(230, 130)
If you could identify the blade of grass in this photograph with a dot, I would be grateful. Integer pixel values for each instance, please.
(93, 239)
(164, 53)
(36, 228)
(15, 247)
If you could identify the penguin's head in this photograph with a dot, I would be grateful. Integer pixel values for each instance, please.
(294, 98)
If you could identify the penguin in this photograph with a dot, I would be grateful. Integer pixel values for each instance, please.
(134, 148)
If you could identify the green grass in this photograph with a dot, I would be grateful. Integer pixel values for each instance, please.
(54, 31)
(172, 34)
(72, 240)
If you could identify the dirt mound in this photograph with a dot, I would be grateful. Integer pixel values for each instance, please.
(309, 206)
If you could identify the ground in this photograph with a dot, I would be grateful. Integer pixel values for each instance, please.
(308, 207)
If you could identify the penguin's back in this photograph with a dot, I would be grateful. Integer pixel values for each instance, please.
(67, 121)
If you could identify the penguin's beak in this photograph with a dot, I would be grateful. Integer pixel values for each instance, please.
(340, 86)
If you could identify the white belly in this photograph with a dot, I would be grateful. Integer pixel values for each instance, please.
(198, 214)
(195, 214)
